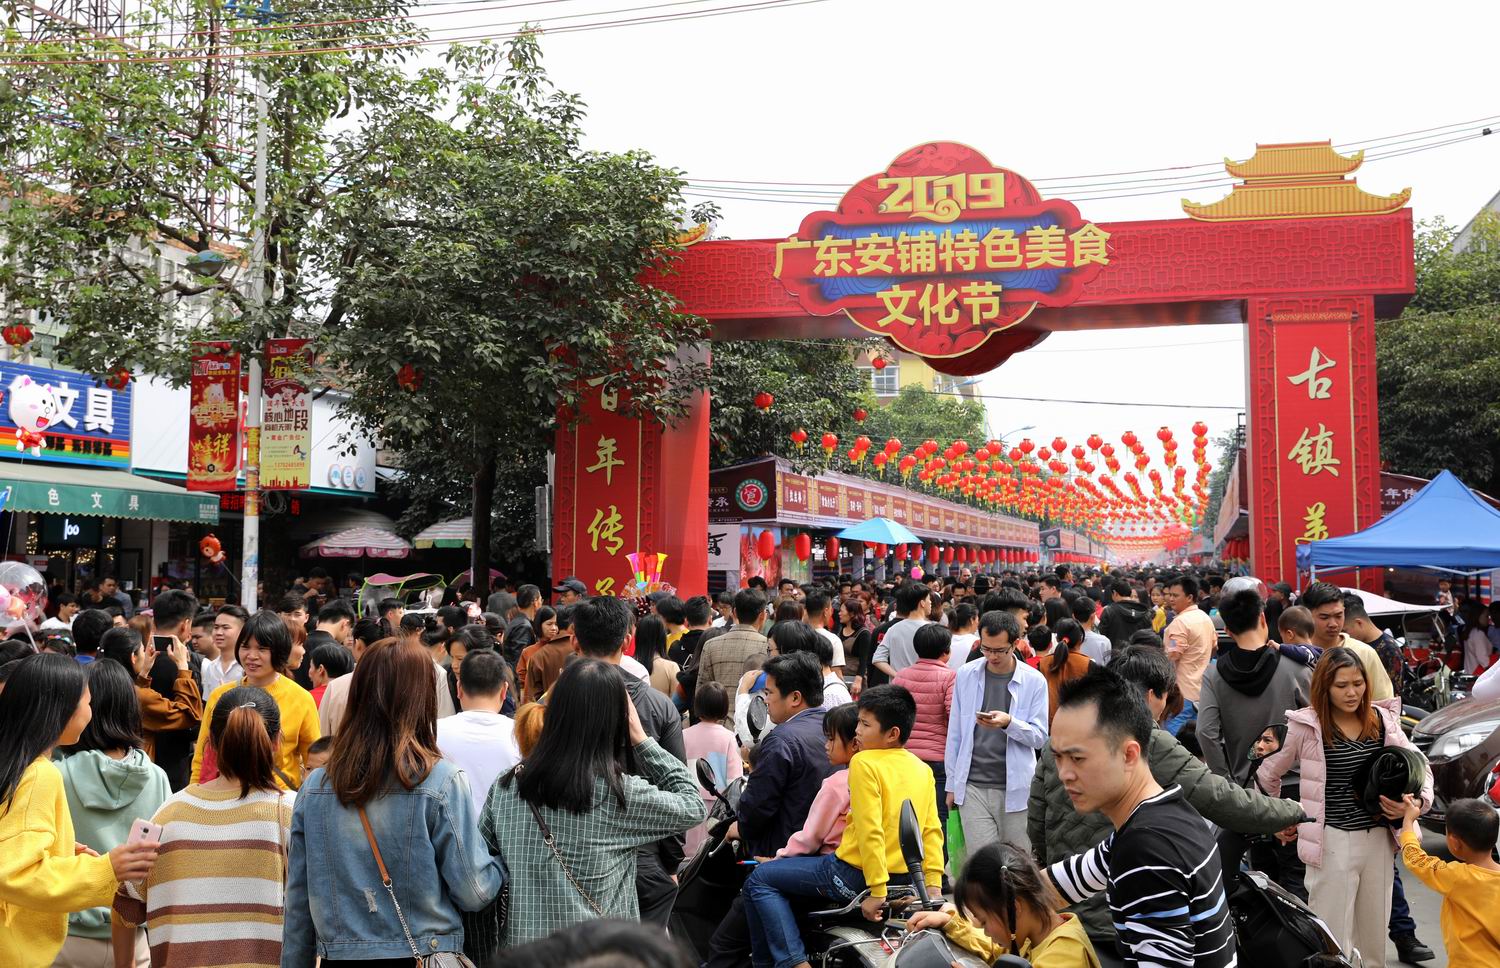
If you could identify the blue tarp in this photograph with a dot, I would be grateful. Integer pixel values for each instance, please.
(1443, 526)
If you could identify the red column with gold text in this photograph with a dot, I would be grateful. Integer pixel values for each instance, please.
(1314, 439)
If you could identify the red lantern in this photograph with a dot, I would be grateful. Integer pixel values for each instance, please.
(893, 446)
(860, 413)
(1095, 441)
(934, 554)
(1016, 454)
(949, 555)
(118, 379)
(1163, 434)
(17, 334)
(799, 437)
(803, 546)
(881, 550)
(1128, 438)
(1200, 429)
(963, 555)
(830, 441)
(1059, 445)
(901, 552)
(831, 549)
(880, 459)
(409, 378)
(1078, 452)
(763, 401)
(1108, 450)
(879, 363)
(765, 545)
(1027, 446)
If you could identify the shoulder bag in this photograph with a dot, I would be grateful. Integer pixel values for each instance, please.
(441, 959)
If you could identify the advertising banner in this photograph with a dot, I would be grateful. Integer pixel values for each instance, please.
(213, 462)
(286, 440)
(63, 417)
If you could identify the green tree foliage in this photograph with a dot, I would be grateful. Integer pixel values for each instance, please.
(1439, 380)
(917, 414)
(816, 387)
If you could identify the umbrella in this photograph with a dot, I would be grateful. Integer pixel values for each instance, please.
(358, 543)
(879, 531)
(1380, 605)
(446, 534)
(495, 575)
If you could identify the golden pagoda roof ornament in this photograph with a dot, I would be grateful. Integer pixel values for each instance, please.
(1304, 179)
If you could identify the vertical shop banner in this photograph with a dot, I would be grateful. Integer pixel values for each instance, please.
(286, 424)
(213, 462)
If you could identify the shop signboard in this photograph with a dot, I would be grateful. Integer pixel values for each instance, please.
(213, 462)
(723, 547)
(63, 417)
(286, 441)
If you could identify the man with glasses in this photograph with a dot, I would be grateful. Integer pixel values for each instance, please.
(997, 723)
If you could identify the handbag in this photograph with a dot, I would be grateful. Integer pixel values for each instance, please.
(561, 861)
(440, 959)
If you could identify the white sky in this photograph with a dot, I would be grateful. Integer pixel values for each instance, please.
(831, 92)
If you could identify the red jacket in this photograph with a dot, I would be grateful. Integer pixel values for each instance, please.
(930, 682)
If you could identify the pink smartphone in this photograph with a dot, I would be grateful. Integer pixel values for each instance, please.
(144, 832)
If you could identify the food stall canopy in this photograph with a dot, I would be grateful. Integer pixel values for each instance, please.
(1444, 527)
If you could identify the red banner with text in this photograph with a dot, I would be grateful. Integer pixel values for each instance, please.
(214, 419)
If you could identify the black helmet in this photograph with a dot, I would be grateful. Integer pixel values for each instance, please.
(1393, 772)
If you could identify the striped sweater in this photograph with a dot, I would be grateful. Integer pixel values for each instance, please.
(216, 894)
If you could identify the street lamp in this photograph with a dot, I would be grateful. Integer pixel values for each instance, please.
(1018, 430)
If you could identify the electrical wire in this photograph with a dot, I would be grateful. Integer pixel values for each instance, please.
(1101, 403)
(760, 5)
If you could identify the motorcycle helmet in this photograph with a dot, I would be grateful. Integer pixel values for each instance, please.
(1393, 772)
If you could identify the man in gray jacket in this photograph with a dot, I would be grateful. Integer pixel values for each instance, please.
(1252, 686)
(1058, 831)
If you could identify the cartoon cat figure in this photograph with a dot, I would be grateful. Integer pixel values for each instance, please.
(32, 409)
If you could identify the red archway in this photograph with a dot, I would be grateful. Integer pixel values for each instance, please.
(1297, 251)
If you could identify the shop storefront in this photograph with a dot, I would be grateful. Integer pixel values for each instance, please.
(70, 504)
(802, 513)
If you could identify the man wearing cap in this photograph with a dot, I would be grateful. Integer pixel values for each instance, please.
(570, 591)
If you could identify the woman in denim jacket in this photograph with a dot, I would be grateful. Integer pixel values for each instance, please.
(602, 788)
(385, 761)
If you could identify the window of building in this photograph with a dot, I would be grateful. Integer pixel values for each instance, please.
(886, 382)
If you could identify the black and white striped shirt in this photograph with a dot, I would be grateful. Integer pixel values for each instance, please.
(1341, 808)
(1166, 891)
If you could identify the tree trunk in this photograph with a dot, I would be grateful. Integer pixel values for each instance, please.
(483, 505)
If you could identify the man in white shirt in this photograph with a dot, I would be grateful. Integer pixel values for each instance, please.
(818, 611)
(480, 740)
(228, 622)
(67, 607)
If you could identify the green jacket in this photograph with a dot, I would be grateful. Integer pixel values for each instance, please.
(1058, 831)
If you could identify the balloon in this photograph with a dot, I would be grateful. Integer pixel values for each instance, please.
(765, 545)
(25, 588)
(803, 546)
(916, 573)
(831, 549)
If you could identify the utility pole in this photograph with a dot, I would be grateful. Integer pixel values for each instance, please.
(250, 561)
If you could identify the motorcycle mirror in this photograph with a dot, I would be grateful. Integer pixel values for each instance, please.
(706, 778)
(911, 850)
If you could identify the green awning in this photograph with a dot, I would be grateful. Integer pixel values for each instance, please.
(60, 489)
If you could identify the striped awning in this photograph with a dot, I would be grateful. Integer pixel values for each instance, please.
(446, 534)
(358, 543)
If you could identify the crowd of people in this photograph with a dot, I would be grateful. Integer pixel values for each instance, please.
(1090, 763)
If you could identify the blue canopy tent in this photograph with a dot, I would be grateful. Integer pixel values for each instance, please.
(1444, 527)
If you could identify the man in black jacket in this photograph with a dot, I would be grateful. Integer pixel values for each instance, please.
(1124, 616)
(599, 626)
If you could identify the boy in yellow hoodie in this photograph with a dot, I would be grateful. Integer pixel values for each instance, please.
(882, 776)
(1470, 886)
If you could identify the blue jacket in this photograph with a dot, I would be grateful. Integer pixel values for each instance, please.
(337, 907)
(1026, 733)
(790, 767)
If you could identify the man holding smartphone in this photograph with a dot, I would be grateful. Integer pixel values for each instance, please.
(997, 723)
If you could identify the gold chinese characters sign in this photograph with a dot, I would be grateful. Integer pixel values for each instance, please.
(940, 252)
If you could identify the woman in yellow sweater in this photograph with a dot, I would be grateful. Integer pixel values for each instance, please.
(44, 873)
(263, 650)
(1010, 910)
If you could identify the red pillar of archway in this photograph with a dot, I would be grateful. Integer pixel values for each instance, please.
(1314, 444)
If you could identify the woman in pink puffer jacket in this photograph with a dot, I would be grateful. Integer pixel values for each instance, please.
(1348, 853)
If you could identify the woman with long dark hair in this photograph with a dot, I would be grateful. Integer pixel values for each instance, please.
(859, 643)
(110, 782)
(239, 820)
(43, 875)
(1346, 848)
(651, 652)
(1065, 662)
(388, 810)
(264, 651)
(567, 820)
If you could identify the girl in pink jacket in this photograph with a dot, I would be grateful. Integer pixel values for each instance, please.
(829, 813)
(1348, 852)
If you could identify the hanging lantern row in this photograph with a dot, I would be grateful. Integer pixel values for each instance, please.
(766, 546)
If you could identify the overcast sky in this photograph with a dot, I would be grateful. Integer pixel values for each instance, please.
(832, 91)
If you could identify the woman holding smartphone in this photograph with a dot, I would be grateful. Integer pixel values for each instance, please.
(44, 872)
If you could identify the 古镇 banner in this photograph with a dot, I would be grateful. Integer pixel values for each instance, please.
(286, 422)
(214, 419)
